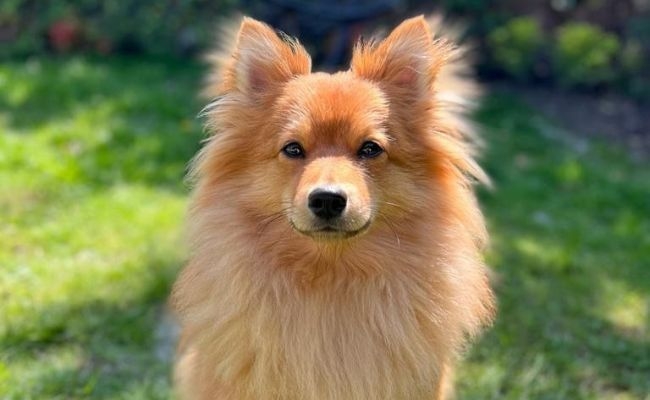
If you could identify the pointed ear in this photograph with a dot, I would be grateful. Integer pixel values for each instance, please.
(406, 62)
(263, 60)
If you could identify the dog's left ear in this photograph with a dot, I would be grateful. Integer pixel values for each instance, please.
(262, 60)
(404, 64)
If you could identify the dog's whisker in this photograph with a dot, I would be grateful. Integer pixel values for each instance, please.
(269, 219)
(392, 228)
(395, 205)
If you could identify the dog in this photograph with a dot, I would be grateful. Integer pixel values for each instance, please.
(335, 235)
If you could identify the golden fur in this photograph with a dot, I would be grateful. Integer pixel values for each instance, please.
(268, 312)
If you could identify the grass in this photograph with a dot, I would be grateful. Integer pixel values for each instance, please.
(92, 156)
(92, 159)
(571, 251)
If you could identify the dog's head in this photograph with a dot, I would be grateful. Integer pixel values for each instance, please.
(334, 155)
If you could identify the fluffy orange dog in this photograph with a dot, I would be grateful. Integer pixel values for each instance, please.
(335, 235)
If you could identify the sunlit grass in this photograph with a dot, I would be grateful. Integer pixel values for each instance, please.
(92, 158)
(570, 253)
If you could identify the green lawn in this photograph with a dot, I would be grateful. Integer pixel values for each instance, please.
(92, 158)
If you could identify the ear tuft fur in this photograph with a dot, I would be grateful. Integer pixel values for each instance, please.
(257, 60)
(407, 60)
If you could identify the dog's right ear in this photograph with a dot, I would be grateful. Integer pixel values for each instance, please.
(262, 60)
(406, 63)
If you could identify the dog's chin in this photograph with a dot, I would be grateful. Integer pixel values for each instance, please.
(329, 232)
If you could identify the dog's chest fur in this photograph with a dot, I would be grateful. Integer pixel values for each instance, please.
(368, 338)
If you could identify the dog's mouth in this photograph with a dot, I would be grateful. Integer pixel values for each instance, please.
(332, 231)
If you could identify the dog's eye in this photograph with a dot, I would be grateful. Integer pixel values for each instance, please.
(293, 150)
(369, 149)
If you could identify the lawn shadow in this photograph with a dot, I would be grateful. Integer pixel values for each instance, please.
(571, 244)
(553, 333)
(111, 345)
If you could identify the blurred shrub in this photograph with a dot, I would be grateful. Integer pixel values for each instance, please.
(634, 60)
(160, 27)
(584, 55)
(632, 57)
(576, 55)
(508, 33)
(465, 6)
(635, 57)
(16, 35)
(515, 46)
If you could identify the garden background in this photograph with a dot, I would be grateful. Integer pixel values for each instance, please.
(98, 105)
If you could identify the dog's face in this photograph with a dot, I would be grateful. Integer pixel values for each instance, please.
(330, 156)
(332, 148)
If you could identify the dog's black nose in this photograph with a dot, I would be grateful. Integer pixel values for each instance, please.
(326, 204)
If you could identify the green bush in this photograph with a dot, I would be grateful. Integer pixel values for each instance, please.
(162, 27)
(585, 55)
(515, 46)
(635, 58)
